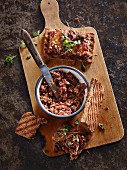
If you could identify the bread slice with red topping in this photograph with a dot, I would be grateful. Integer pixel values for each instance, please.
(68, 44)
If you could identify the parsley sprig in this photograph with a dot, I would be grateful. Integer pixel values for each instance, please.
(76, 138)
(69, 44)
(35, 34)
(65, 129)
(46, 151)
(69, 143)
(9, 59)
(22, 44)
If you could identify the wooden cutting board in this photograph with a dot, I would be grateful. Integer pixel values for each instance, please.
(109, 117)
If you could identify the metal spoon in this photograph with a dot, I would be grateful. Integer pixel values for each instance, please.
(36, 56)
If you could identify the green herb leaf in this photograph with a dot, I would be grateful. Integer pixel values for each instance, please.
(9, 59)
(76, 122)
(76, 138)
(68, 43)
(35, 34)
(101, 126)
(22, 44)
(46, 151)
(69, 143)
(66, 129)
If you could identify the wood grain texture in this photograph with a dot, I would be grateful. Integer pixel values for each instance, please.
(110, 118)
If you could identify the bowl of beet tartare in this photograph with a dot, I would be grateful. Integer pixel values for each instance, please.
(72, 87)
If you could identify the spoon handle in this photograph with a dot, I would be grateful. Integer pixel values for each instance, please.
(31, 47)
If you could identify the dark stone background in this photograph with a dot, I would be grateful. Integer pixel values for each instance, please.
(109, 18)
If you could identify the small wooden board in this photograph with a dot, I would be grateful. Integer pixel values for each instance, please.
(110, 118)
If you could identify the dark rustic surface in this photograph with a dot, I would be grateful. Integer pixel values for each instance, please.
(109, 18)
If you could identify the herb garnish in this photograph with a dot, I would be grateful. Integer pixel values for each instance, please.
(69, 44)
(101, 126)
(66, 129)
(76, 122)
(35, 34)
(9, 59)
(22, 44)
(76, 138)
(46, 151)
(69, 143)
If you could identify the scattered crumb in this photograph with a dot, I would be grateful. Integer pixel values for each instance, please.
(106, 108)
(28, 57)
(88, 152)
(77, 19)
(73, 62)
(101, 126)
(35, 43)
(67, 23)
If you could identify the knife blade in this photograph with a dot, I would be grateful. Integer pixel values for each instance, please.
(36, 56)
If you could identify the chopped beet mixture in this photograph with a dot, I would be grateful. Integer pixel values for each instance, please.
(74, 143)
(71, 94)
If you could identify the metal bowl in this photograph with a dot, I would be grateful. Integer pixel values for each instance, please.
(77, 74)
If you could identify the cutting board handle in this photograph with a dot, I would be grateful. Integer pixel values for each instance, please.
(50, 11)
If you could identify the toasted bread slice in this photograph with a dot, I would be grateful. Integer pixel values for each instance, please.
(89, 118)
(28, 125)
(68, 44)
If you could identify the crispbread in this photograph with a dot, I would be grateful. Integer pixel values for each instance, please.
(28, 125)
(89, 118)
